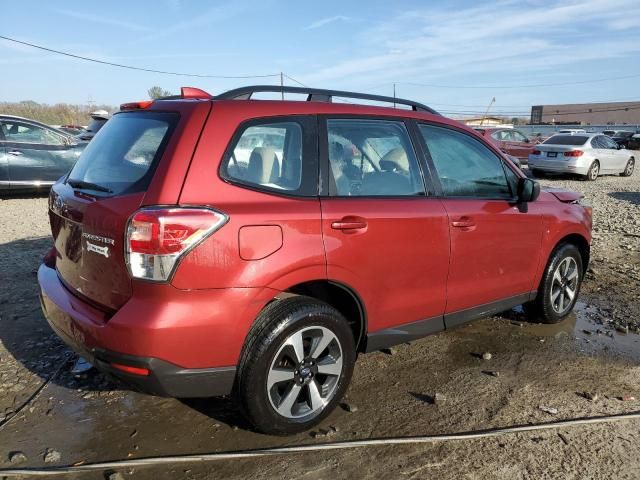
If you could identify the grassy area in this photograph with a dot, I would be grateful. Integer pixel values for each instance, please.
(58, 114)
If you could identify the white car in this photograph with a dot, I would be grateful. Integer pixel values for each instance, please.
(588, 155)
(572, 131)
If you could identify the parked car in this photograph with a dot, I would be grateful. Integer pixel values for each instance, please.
(510, 141)
(622, 137)
(572, 131)
(186, 272)
(98, 119)
(634, 142)
(586, 155)
(33, 155)
(72, 129)
(609, 133)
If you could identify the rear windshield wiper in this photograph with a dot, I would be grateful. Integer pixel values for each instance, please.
(88, 186)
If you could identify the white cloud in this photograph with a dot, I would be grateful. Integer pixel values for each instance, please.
(102, 20)
(503, 38)
(326, 21)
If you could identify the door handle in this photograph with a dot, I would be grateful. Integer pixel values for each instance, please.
(15, 153)
(464, 222)
(349, 224)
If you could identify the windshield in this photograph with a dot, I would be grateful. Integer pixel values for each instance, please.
(122, 156)
(573, 140)
(623, 133)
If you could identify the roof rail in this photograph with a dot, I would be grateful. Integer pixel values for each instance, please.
(317, 95)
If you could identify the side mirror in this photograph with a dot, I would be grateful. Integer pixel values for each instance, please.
(528, 190)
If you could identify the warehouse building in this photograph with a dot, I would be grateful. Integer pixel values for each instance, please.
(615, 113)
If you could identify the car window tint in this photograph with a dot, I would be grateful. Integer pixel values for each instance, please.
(372, 158)
(595, 142)
(465, 166)
(25, 133)
(122, 157)
(573, 140)
(267, 155)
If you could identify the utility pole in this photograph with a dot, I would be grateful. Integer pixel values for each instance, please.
(282, 84)
(493, 100)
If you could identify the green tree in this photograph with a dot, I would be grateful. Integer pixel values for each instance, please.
(158, 92)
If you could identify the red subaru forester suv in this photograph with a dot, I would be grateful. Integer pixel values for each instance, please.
(214, 245)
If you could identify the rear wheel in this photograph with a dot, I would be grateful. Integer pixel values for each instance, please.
(296, 366)
(560, 285)
(594, 171)
(628, 170)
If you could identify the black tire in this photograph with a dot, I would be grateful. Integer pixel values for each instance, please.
(593, 172)
(537, 173)
(277, 323)
(542, 308)
(628, 170)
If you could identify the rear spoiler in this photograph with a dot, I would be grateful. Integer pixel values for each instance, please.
(185, 92)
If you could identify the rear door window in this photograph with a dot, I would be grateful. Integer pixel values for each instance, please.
(372, 158)
(123, 156)
(465, 167)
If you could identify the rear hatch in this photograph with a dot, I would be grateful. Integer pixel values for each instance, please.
(90, 208)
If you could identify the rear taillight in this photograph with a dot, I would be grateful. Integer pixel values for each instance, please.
(136, 105)
(573, 153)
(157, 238)
(536, 152)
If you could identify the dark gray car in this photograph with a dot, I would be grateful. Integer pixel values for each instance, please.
(34, 155)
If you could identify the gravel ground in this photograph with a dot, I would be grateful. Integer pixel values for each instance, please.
(86, 418)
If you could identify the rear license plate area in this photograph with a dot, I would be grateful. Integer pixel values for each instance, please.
(552, 154)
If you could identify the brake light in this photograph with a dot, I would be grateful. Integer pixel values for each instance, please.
(573, 153)
(536, 152)
(157, 238)
(136, 105)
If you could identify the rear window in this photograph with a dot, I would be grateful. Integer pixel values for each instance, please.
(123, 155)
(573, 140)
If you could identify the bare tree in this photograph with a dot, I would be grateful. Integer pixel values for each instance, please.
(158, 92)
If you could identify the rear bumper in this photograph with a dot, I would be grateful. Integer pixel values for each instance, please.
(189, 341)
(164, 378)
(559, 166)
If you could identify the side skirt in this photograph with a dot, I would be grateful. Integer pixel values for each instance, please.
(415, 330)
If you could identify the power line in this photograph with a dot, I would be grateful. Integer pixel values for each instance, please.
(296, 81)
(130, 67)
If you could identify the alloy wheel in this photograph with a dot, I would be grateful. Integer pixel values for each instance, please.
(305, 372)
(595, 169)
(564, 286)
(630, 165)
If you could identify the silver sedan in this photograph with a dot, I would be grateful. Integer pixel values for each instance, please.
(588, 155)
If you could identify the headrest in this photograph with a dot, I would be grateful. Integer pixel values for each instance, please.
(264, 166)
(395, 160)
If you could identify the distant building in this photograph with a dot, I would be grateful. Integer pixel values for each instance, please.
(485, 122)
(615, 113)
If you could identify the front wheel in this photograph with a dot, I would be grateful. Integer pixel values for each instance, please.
(628, 170)
(560, 285)
(296, 365)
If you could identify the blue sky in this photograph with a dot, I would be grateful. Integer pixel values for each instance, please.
(451, 48)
